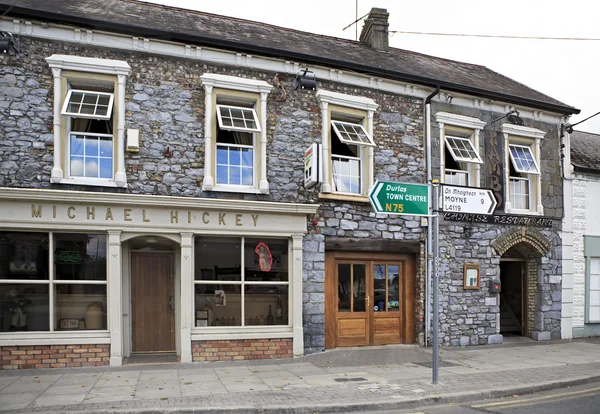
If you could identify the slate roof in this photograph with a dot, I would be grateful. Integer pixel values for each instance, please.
(193, 27)
(585, 151)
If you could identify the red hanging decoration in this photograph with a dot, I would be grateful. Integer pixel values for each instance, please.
(265, 258)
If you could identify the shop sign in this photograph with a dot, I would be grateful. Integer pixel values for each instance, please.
(400, 198)
(468, 200)
(510, 219)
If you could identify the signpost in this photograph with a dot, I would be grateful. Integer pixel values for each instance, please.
(400, 198)
(468, 200)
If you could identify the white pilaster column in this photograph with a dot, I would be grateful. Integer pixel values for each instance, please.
(297, 329)
(540, 207)
(115, 302)
(187, 288)
(120, 176)
(477, 180)
(56, 175)
(264, 184)
(209, 181)
(442, 147)
(326, 161)
(370, 160)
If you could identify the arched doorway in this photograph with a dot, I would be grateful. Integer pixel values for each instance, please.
(521, 252)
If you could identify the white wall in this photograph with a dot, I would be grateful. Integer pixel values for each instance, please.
(586, 221)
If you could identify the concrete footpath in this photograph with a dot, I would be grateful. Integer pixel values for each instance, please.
(342, 380)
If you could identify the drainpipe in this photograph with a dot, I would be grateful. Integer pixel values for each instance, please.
(429, 229)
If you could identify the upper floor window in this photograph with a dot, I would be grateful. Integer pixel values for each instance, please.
(460, 160)
(347, 143)
(523, 193)
(89, 127)
(235, 134)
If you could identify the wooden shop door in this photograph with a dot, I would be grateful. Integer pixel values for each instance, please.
(370, 299)
(152, 302)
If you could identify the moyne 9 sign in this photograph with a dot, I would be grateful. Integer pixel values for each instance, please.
(400, 198)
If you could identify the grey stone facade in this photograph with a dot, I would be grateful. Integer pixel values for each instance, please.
(165, 101)
(471, 317)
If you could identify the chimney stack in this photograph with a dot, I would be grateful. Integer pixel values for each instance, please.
(375, 31)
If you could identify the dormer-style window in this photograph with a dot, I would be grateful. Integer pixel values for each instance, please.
(235, 134)
(347, 143)
(89, 127)
(523, 194)
(460, 159)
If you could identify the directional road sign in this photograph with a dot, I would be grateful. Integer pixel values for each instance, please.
(468, 200)
(400, 198)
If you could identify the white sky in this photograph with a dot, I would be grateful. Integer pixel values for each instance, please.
(564, 70)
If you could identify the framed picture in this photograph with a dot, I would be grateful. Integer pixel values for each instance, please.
(471, 276)
(220, 298)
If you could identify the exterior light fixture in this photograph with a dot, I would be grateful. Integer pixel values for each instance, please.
(305, 80)
(8, 43)
(512, 117)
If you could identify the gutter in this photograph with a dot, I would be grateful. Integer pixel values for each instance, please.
(277, 53)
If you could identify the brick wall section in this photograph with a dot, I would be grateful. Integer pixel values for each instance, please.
(54, 356)
(240, 349)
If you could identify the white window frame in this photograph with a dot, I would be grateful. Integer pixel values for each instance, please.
(65, 109)
(52, 281)
(453, 125)
(340, 130)
(516, 165)
(83, 65)
(262, 89)
(524, 137)
(327, 98)
(222, 124)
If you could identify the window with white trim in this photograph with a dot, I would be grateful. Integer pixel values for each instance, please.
(522, 149)
(235, 134)
(241, 281)
(347, 143)
(460, 160)
(52, 281)
(593, 291)
(89, 105)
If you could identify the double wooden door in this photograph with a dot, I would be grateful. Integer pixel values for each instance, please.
(152, 302)
(370, 299)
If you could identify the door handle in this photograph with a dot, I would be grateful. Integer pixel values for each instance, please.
(171, 306)
(368, 302)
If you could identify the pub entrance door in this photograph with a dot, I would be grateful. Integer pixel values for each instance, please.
(370, 299)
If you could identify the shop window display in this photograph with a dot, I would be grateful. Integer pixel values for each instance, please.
(241, 282)
(72, 280)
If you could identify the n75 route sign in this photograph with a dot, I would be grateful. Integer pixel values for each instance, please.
(400, 198)
(468, 200)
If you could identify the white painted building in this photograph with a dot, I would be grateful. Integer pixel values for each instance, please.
(581, 238)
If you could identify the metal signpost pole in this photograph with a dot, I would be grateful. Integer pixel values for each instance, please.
(435, 278)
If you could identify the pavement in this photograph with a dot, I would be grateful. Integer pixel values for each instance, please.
(340, 380)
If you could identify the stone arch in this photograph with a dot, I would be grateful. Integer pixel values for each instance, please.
(533, 239)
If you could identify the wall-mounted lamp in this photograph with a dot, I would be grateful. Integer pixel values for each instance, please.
(568, 128)
(512, 117)
(8, 43)
(305, 80)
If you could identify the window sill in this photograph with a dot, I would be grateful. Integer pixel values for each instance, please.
(523, 212)
(236, 189)
(74, 337)
(344, 197)
(87, 181)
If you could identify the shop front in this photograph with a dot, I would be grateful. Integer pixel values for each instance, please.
(94, 279)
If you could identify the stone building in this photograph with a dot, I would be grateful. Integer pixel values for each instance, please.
(581, 240)
(197, 185)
